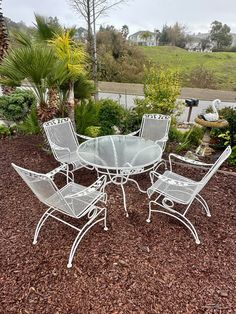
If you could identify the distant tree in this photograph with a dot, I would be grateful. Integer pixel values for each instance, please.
(125, 31)
(173, 35)
(91, 10)
(177, 35)
(205, 43)
(220, 34)
(164, 38)
(118, 61)
(157, 35)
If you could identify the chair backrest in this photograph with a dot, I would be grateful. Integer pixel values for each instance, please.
(226, 153)
(60, 132)
(155, 127)
(44, 188)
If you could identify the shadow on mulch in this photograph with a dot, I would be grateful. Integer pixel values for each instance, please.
(134, 267)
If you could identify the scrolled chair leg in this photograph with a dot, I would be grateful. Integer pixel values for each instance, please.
(44, 217)
(202, 201)
(90, 223)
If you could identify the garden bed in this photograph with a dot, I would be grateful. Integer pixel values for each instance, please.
(134, 267)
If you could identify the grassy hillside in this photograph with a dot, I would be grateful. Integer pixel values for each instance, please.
(222, 64)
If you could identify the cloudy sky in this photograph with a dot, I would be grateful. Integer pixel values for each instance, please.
(197, 15)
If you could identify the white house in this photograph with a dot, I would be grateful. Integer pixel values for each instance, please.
(144, 38)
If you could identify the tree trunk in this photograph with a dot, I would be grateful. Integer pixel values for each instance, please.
(95, 64)
(71, 103)
(48, 110)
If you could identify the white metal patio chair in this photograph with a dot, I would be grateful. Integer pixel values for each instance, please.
(155, 127)
(63, 141)
(72, 200)
(173, 188)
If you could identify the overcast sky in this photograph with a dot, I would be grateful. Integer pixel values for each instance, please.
(197, 15)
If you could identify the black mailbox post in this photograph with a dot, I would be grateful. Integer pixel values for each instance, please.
(191, 102)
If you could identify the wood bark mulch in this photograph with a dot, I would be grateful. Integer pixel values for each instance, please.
(134, 267)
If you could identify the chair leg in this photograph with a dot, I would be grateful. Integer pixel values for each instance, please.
(45, 216)
(150, 211)
(175, 214)
(81, 234)
(204, 204)
(185, 221)
(105, 220)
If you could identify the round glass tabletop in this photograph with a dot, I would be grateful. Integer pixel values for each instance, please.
(119, 152)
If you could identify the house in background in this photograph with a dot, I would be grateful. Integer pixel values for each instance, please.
(81, 34)
(144, 38)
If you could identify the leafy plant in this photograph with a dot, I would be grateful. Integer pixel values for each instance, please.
(161, 90)
(30, 125)
(232, 157)
(186, 139)
(110, 114)
(132, 121)
(93, 131)
(16, 105)
(227, 135)
(86, 114)
(4, 131)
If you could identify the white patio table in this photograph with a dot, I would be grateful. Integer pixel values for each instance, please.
(119, 157)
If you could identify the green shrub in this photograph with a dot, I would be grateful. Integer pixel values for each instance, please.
(201, 77)
(93, 131)
(83, 88)
(17, 105)
(86, 114)
(4, 131)
(229, 114)
(131, 122)
(161, 90)
(110, 114)
(30, 125)
(175, 135)
(232, 157)
(186, 139)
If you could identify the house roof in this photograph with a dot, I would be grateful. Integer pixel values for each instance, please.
(140, 32)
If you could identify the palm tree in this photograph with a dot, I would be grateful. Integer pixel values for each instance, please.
(39, 68)
(4, 41)
(4, 45)
(74, 58)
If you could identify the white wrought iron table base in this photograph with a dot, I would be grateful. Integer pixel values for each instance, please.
(121, 181)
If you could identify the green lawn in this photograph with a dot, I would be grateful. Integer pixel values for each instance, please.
(223, 64)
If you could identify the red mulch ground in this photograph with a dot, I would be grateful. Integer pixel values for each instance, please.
(134, 267)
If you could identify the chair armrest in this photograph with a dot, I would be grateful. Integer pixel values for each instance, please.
(134, 133)
(83, 136)
(98, 185)
(187, 160)
(170, 181)
(59, 169)
(55, 146)
(164, 139)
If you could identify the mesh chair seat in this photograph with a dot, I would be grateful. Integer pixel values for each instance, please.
(181, 194)
(79, 204)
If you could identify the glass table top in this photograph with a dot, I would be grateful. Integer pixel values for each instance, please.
(119, 152)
